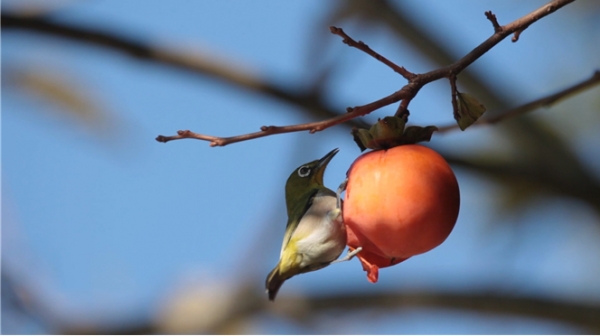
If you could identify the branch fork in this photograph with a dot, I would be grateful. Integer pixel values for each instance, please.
(492, 17)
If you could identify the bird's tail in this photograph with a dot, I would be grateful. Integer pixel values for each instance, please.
(274, 282)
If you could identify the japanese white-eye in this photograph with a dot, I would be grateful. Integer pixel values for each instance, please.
(315, 235)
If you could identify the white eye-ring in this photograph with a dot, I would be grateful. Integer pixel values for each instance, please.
(303, 171)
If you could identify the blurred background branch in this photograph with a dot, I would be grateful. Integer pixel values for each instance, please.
(246, 305)
(198, 64)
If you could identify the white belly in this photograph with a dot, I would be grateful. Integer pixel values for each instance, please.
(323, 232)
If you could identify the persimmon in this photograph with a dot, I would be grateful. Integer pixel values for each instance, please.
(400, 202)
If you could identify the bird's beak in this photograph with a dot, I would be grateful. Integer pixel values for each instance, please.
(325, 159)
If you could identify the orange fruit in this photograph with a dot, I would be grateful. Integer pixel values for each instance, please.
(399, 203)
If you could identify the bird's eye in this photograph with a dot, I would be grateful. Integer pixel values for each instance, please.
(303, 171)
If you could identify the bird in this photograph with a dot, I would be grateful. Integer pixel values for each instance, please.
(315, 235)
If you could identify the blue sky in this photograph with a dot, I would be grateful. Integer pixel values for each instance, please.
(106, 221)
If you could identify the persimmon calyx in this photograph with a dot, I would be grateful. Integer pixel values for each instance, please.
(391, 132)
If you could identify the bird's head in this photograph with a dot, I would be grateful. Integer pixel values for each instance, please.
(306, 178)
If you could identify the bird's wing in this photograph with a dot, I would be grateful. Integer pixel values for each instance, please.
(293, 221)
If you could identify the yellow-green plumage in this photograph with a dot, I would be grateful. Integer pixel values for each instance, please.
(315, 234)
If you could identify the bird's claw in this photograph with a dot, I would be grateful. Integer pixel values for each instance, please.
(335, 214)
(339, 192)
(349, 256)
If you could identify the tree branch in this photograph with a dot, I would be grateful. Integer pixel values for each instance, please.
(360, 45)
(546, 101)
(406, 94)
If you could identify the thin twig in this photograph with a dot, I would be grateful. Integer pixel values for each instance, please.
(545, 101)
(365, 48)
(551, 7)
(270, 130)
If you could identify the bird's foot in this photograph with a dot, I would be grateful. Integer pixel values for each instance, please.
(339, 192)
(335, 215)
(348, 256)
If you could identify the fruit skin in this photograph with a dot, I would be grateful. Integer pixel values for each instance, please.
(399, 202)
